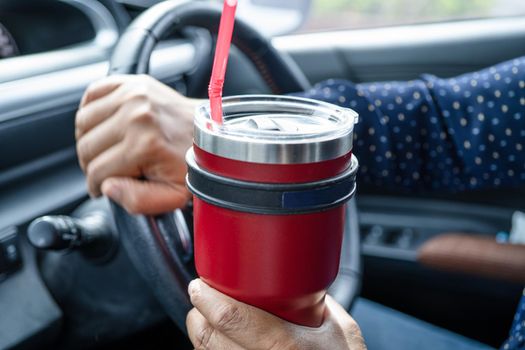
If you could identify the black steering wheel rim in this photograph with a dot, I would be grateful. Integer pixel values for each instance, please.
(133, 51)
(157, 245)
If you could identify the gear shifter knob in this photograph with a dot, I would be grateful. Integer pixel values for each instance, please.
(92, 234)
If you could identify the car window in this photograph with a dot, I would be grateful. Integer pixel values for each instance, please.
(347, 14)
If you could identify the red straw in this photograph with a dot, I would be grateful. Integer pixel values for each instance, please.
(221, 59)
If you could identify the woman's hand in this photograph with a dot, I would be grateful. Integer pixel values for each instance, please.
(219, 322)
(132, 135)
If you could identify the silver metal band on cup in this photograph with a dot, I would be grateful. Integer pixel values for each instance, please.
(279, 148)
(273, 153)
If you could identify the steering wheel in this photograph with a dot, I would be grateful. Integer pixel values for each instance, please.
(160, 247)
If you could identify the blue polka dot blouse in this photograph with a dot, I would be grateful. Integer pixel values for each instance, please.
(453, 134)
(516, 339)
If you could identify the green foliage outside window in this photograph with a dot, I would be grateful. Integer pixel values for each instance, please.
(333, 14)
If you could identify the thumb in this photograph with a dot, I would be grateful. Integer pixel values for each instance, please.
(144, 196)
(343, 326)
(247, 326)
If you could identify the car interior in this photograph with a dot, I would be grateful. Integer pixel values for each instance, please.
(103, 295)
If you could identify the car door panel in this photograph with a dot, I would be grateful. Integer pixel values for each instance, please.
(403, 53)
(480, 308)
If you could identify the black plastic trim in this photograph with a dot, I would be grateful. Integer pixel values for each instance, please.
(271, 198)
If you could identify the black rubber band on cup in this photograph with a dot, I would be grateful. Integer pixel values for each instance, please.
(269, 198)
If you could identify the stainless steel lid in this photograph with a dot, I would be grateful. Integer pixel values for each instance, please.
(276, 130)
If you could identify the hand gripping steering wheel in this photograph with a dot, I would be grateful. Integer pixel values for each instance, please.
(160, 247)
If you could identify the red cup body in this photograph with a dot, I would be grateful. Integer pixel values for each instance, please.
(271, 173)
(280, 263)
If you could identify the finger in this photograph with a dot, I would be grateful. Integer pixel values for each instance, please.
(242, 323)
(335, 309)
(100, 138)
(203, 336)
(96, 112)
(102, 87)
(104, 135)
(338, 319)
(115, 161)
(144, 196)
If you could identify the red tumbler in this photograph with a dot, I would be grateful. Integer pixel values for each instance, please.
(270, 185)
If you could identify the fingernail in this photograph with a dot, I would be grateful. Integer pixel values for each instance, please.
(113, 191)
(194, 288)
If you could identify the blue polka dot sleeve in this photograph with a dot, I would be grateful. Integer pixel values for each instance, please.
(516, 340)
(453, 134)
